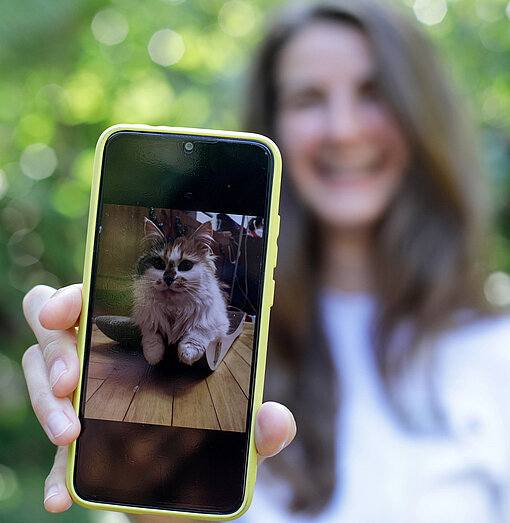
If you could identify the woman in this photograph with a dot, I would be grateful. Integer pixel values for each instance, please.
(377, 292)
(382, 344)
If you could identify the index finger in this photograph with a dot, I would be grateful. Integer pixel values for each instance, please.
(58, 346)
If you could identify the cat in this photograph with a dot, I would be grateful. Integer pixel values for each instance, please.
(178, 298)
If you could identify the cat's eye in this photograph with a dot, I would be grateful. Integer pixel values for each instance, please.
(159, 264)
(185, 265)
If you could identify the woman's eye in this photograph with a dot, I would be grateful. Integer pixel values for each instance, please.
(159, 264)
(371, 91)
(185, 265)
(302, 100)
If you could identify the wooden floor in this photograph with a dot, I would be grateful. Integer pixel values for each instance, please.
(122, 386)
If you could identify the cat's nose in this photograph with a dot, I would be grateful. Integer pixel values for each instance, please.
(168, 279)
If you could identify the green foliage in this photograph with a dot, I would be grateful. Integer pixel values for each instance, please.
(70, 69)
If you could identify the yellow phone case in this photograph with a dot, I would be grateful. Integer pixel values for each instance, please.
(267, 301)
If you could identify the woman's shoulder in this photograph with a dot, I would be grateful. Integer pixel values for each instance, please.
(485, 339)
(473, 367)
(467, 365)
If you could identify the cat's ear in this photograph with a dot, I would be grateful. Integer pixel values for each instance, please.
(152, 231)
(204, 235)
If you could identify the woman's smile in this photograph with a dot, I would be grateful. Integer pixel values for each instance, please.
(336, 170)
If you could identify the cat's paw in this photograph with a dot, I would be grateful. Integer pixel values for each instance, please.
(190, 351)
(153, 352)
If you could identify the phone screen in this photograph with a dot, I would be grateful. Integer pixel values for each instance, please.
(174, 305)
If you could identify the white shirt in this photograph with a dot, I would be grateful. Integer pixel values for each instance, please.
(390, 475)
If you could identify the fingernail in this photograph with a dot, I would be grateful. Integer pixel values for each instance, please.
(56, 293)
(57, 369)
(52, 491)
(62, 290)
(281, 447)
(58, 423)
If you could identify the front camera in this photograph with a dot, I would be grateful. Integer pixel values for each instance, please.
(188, 147)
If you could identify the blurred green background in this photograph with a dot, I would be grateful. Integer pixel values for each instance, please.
(70, 69)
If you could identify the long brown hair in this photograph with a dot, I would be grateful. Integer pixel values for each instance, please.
(427, 245)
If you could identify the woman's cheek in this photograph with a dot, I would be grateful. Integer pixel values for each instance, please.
(297, 132)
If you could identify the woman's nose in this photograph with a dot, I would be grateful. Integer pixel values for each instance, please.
(344, 124)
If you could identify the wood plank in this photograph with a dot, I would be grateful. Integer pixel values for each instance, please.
(243, 350)
(108, 352)
(249, 326)
(247, 339)
(92, 385)
(248, 329)
(100, 370)
(153, 401)
(102, 353)
(98, 338)
(239, 369)
(111, 401)
(193, 406)
(230, 403)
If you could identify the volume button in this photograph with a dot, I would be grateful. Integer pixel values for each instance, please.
(272, 293)
(277, 232)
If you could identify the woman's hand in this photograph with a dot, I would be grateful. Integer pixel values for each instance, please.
(52, 372)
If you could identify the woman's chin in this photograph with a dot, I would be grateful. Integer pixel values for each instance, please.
(347, 218)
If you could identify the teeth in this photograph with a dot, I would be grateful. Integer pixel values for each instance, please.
(349, 166)
(347, 170)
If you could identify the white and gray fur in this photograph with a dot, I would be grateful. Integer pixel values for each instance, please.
(176, 303)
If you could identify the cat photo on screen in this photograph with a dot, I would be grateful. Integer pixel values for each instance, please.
(178, 298)
(174, 317)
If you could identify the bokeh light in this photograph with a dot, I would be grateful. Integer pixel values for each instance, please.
(490, 40)
(237, 18)
(4, 184)
(25, 247)
(148, 100)
(20, 214)
(489, 10)
(13, 219)
(110, 27)
(35, 127)
(24, 278)
(8, 483)
(497, 288)
(109, 517)
(166, 47)
(71, 199)
(83, 167)
(86, 97)
(54, 99)
(38, 161)
(430, 12)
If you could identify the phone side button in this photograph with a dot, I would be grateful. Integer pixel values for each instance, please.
(275, 255)
(272, 293)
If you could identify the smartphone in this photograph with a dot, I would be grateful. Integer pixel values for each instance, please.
(178, 286)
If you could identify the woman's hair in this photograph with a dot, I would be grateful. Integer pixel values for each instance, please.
(427, 245)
